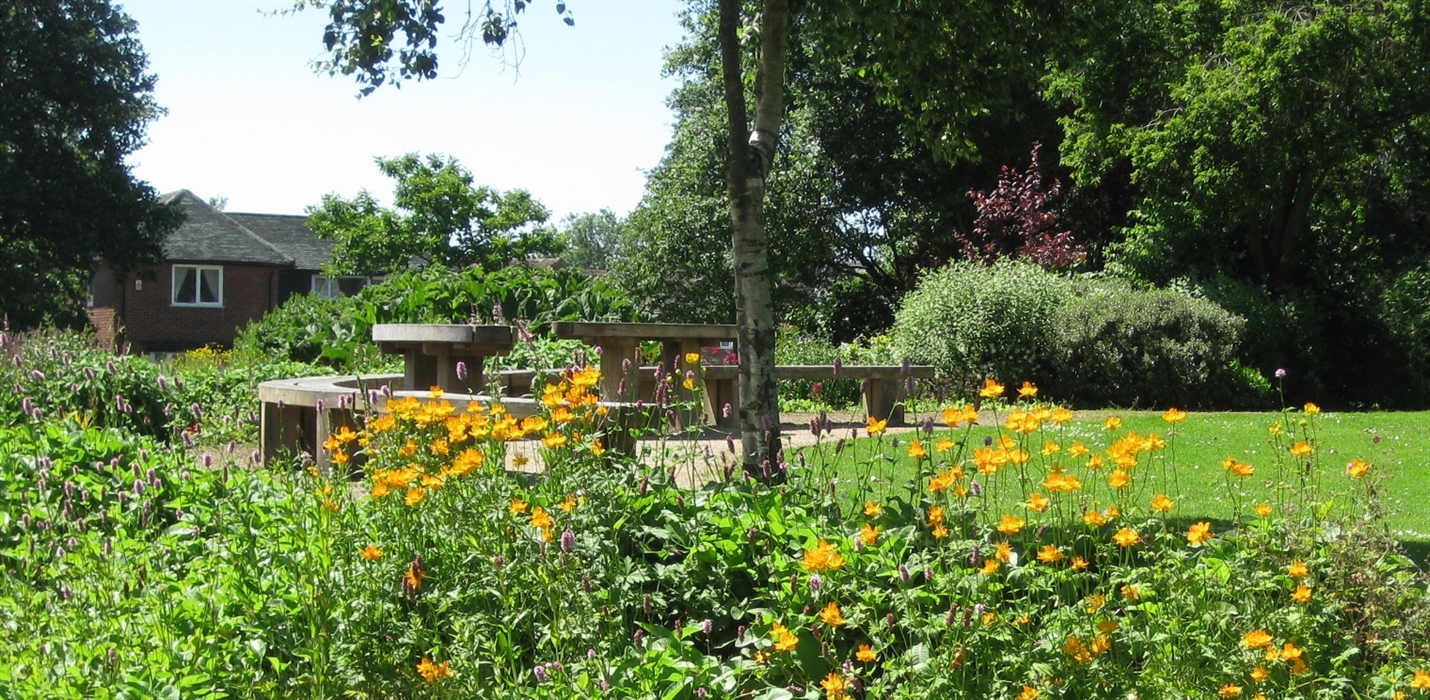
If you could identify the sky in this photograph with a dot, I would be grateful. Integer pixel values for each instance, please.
(577, 124)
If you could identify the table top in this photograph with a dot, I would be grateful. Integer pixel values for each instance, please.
(646, 331)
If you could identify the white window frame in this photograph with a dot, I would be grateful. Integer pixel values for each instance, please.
(198, 277)
(329, 287)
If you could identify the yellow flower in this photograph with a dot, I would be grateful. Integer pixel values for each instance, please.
(1131, 593)
(822, 558)
(1256, 639)
(872, 509)
(1038, 502)
(517, 506)
(1095, 602)
(1010, 525)
(1050, 554)
(1357, 468)
(1093, 517)
(1162, 503)
(991, 389)
(916, 450)
(1078, 449)
(988, 618)
(1112, 423)
(1079, 564)
(1199, 533)
(1297, 569)
(553, 440)
(1231, 691)
(435, 391)
(1004, 552)
(597, 448)
(429, 671)
(784, 640)
(1260, 674)
(1029, 693)
(761, 656)
(688, 383)
(1312, 409)
(1421, 681)
(520, 460)
(1302, 594)
(1027, 391)
(935, 516)
(692, 358)
(1301, 449)
(542, 520)
(380, 490)
(1060, 415)
(371, 553)
(1236, 468)
(415, 495)
(834, 686)
(990, 567)
(868, 534)
(939, 532)
(876, 426)
(942, 481)
(1263, 509)
(1126, 537)
(944, 445)
(1174, 416)
(1119, 479)
(831, 615)
(569, 504)
(866, 654)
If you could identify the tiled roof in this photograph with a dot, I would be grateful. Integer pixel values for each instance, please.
(291, 235)
(208, 236)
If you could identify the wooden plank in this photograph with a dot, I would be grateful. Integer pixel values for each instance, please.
(584, 330)
(827, 372)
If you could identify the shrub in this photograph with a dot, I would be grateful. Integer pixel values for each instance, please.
(67, 373)
(223, 386)
(1405, 310)
(1123, 346)
(795, 347)
(971, 321)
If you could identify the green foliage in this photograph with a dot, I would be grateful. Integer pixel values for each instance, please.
(591, 240)
(797, 347)
(77, 102)
(216, 393)
(1406, 312)
(1118, 345)
(972, 321)
(439, 217)
(338, 332)
(67, 374)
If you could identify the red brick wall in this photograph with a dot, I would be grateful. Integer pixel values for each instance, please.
(148, 320)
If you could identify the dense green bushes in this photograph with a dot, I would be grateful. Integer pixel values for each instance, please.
(1093, 341)
(61, 373)
(338, 332)
(971, 321)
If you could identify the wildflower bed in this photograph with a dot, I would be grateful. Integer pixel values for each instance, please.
(133, 572)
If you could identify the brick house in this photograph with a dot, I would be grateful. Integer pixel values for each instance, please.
(220, 271)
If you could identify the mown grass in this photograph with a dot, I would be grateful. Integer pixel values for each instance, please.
(1395, 444)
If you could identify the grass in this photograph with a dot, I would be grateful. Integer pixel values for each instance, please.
(1394, 443)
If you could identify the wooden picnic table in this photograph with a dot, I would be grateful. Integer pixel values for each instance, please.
(620, 342)
(431, 352)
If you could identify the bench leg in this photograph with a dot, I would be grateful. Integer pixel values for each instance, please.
(881, 400)
(614, 352)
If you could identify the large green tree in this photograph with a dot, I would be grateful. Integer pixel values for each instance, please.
(439, 217)
(363, 41)
(74, 103)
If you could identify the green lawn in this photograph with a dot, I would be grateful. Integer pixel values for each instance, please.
(1190, 469)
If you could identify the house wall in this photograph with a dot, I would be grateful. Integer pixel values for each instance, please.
(145, 318)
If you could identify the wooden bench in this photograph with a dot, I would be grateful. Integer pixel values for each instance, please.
(883, 386)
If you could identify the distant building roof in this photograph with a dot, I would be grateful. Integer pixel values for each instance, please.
(211, 236)
(291, 235)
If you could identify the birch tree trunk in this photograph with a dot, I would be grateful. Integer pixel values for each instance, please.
(752, 152)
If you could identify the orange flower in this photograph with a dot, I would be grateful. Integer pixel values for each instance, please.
(1174, 416)
(822, 558)
(869, 535)
(872, 509)
(1263, 509)
(834, 686)
(1027, 391)
(1421, 681)
(1119, 479)
(371, 553)
(1112, 423)
(1094, 518)
(1357, 468)
(1256, 639)
(990, 567)
(1301, 449)
(1078, 563)
(831, 615)
(991, 389)
(1297, 569)
(1199, 533)
(1010, 525)
(1131, 593)
(876, 426)
(1302, 594)
(1231, 691)
(784, 640)
(415, 495)
(429, 671)
(1312, 409)
(1260, 674)
(1162, 503)
(1038, 502)
(1050, 554)
(1126, 537)
(866, 654)
(916, 450)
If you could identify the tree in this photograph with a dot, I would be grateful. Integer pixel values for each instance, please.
(360, 38)
(76, 103)
(439, 217)
(591, 240)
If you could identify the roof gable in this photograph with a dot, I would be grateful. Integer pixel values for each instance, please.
(291, 235)
(208, 235)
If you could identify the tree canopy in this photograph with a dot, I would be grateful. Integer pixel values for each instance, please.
(76, 102)
(439, 217)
